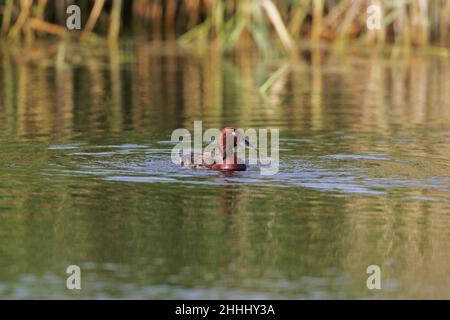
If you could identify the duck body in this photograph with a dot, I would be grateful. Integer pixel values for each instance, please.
(197, 160)
(206, 160)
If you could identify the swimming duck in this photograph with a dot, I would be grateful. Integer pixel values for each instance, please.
(206, 160)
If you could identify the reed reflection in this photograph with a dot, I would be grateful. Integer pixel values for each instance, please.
(145, 90)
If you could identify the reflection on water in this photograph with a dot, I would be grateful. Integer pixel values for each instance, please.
(86, 176)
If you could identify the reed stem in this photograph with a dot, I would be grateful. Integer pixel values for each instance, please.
(114, 26)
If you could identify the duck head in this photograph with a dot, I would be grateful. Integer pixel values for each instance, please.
(230, 160)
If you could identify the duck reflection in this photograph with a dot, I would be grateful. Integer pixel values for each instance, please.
(229, 194)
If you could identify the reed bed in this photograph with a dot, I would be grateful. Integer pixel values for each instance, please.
(268, 24)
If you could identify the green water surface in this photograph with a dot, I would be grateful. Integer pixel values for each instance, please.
(86, 176)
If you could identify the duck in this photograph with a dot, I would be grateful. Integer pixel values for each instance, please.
(206, 160)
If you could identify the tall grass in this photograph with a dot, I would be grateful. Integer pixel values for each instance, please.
(268, 24)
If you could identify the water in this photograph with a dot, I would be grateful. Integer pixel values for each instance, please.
(86, 176)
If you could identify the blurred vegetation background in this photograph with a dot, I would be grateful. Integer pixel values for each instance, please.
(268, 24)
